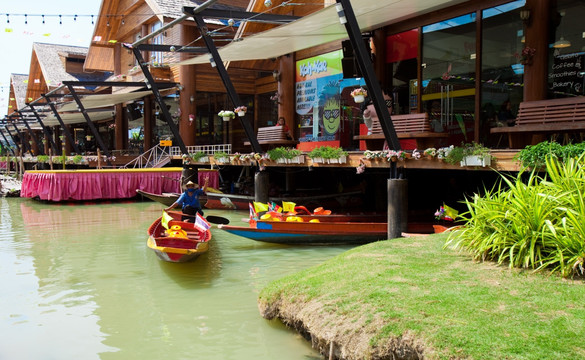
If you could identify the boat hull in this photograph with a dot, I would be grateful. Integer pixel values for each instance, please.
(177, 249)
(305, 233)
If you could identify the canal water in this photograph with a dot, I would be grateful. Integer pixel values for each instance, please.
(78, 282)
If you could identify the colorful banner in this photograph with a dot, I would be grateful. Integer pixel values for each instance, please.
(319, 66)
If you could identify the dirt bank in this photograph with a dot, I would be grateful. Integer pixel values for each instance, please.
(348, 339)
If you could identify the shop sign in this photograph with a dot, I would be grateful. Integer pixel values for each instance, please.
(567, 74)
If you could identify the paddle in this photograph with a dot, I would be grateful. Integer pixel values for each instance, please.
(212, 219)
(217, 219)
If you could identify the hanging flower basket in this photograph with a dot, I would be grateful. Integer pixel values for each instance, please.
(359, 95)
(241, 110)
(226, 115)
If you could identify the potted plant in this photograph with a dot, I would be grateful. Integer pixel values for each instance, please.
(476, 155)
(227, 115)
(466, 155)
(316, 155)
(200, 156)
(277, 155)
(334, 155)
(221, 157)
(43, 158)
(359, 95)
(294, 156)
(241, 110)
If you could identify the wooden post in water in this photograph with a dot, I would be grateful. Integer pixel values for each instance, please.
(261, 186)
(397, 207)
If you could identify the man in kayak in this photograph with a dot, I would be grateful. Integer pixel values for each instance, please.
(189, 200)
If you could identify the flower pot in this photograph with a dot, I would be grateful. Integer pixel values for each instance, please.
(296, 160)
(203, 159)
(281, 161)
(318, 160)
(475, 160)
(439, 228)
(226, 118)
(241, 113)
(358, 99)
(340, 160)
(222, 160)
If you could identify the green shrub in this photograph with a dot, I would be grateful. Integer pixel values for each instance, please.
(327, 152)
(277, 153)
(220, 155)
(535, 224)
(198, 155)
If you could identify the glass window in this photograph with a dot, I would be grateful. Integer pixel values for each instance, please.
(448, 77)
(401, 56)
(502, 70)
(156, 57)
(566, 49)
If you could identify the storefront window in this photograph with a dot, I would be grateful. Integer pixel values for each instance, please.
(502, 70)
(448, 76)
(566, 50)
(401, 56)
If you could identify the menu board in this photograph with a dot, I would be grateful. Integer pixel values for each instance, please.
(567, 74)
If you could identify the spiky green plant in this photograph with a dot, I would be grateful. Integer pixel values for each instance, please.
(538, 223)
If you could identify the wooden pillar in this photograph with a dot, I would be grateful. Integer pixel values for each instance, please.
(148, 120)
(187, 78)
(286, 89)
(261, 186)
(537, 29)
(378, 45)
(397, 207)
(121, 131)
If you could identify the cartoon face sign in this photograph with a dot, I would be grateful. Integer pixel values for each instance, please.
(331, 116)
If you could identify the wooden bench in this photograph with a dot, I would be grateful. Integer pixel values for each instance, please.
(537, 118)
(408, 126)
(272, 136)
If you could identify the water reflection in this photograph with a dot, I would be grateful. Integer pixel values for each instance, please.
(80, 282)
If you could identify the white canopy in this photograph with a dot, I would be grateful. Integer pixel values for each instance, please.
(103, 100)
(321, 27)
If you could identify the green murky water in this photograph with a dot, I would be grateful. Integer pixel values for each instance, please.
(78, 282)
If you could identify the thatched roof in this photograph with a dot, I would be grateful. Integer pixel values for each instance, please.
(19, 83)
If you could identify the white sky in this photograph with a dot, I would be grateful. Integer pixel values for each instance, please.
(17, 44)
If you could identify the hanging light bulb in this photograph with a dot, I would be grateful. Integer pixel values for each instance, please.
(123, 22)
(231, 22)
(7, 19)
(74, 17)
(25, 19)
(92, 19)
(43, 18)
(267, 3)
(60, 20)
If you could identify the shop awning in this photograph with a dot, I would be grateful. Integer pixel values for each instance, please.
(103, 100)
(321, 27)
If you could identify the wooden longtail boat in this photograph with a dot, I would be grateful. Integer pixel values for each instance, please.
(214, 200)
(310, 233)
(166, 199)
(179, 245)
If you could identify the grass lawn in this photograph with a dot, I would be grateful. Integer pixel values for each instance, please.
(413, 295)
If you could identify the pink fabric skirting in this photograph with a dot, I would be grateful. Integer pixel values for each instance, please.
(55, 186)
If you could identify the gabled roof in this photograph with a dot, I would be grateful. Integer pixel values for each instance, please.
(173, 8)
(51, 60)
(18, 84)
(48, 68)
